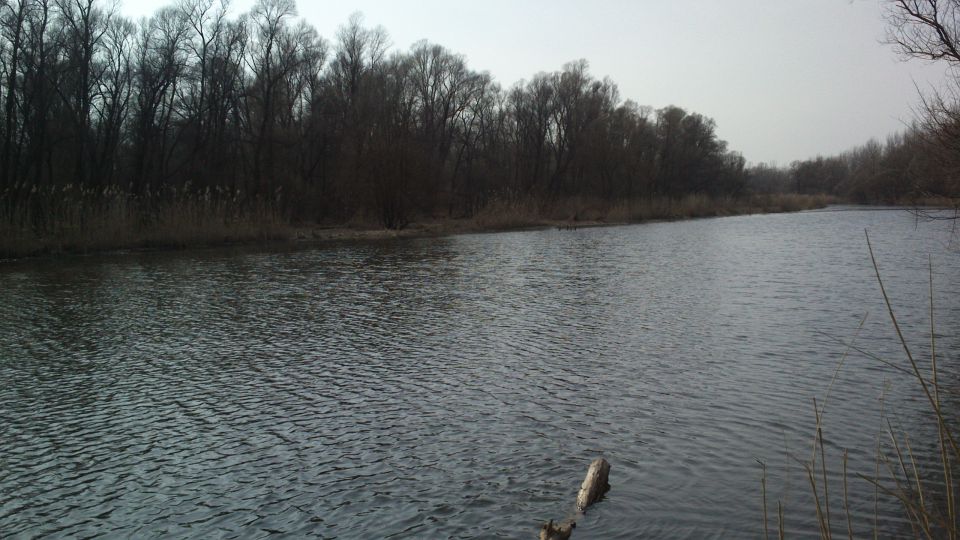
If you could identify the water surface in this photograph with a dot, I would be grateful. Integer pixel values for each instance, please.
(458, 387)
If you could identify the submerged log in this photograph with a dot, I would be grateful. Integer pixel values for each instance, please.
(562, 531)
(594, 486)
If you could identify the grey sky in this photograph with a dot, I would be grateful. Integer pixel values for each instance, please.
(784, 79)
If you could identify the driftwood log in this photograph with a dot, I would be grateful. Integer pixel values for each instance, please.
(560, 531)
(594, 486)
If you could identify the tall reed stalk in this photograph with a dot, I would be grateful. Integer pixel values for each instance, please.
(898, 472)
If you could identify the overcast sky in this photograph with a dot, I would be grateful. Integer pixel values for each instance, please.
(784, 79)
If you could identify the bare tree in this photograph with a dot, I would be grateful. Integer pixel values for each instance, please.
(532, 113)
(14, 18)
(190, 96)
(84, 26)
(113, 96)
(38, 95)
(930, 30)
(358, 54)
(160, 63)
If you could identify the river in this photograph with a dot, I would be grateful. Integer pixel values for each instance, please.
(458, 387)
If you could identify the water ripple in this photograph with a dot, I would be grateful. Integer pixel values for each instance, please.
(455, 387)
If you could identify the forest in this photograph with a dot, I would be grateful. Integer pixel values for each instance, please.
(263, 106)
(908, 168)
(922, 163)
(193, 118)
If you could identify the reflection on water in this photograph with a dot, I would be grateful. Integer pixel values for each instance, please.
(458, 387)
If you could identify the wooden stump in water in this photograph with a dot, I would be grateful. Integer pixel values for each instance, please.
(594, 485)
(549, 531)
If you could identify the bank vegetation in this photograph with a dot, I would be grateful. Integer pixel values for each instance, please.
(193, 126)
(196, 126)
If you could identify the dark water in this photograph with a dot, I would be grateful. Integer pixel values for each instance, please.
(458, 387)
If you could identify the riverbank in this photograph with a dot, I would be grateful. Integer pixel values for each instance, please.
(191, 225)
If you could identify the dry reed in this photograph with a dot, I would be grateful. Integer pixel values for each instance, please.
(69, 218)
(927, 516)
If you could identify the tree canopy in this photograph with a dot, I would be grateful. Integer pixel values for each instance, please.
(261, 104)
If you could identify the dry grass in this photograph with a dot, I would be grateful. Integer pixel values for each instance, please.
(790, 202)
(505, 213)
(697, 206)
(509, 213)
(68, 219)
(931, 201)
(691, 206)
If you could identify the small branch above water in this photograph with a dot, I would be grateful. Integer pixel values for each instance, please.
(593, 488)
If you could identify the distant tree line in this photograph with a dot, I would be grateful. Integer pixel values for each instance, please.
(908, 166)
(924, 161)
(191, 99)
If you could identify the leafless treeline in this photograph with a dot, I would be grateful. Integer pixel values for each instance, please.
(925, 160)
(906, 166)
(262, 105)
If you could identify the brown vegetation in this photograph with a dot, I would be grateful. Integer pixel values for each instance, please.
(909, 169)
(70, 220)
(192, 127)
(192, 101)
